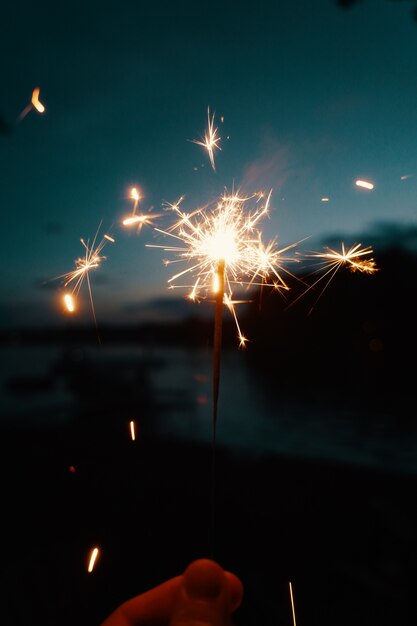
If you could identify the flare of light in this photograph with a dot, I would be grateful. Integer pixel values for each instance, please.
(109, 238)
(132, 430)
(92, 560)
(138, 219)
(292, 605)
(364, 183)
(69, 303)
(37, 104)
(356, 259)
(134, 194)
(226, 233)
(211, 139)
(325, 199)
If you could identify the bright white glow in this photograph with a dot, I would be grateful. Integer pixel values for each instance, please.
(364, 183)
(93, 558)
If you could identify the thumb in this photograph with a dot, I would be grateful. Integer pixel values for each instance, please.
(207, 595)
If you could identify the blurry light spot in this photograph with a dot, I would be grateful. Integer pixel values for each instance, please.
(364, 183)
(201, 378)
(202, 399)
(36, 102)
(69, 303)
(72, 469)
(325, 199)
(93, 558)
(132, 430)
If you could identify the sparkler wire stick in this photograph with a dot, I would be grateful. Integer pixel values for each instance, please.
(217, 346)
(218, 323)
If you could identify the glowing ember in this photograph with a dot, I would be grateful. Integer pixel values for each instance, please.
(364, 183)
(69, 303)
(211, 139)
(132, 430)
(93, 558)
(37, 104)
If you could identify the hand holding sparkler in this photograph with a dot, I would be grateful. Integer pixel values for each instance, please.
(204, 593)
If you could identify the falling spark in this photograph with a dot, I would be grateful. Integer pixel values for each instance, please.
(132, 430)
(93, 558)
(112, 239)
(69, 303)
(406, 176)
(35, 103)
(211, 139)
(364, 183)
(332, 261)
(292, 605)
(325, 199)
(222, 248)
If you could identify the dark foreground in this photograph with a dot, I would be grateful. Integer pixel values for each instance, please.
(345, 538)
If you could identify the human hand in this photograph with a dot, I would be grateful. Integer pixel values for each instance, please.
(204, 594)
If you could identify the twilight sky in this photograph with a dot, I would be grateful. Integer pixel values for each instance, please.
(312, 97)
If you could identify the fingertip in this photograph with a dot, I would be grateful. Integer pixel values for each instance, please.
(204, 579)
(235, 590)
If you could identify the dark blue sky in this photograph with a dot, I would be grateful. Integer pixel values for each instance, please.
(312, 96)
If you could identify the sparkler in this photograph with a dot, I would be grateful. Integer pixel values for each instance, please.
(222, 247)
(34, 103)
(211, 139)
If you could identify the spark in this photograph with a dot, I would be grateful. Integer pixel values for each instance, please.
(332, 260)
(211, 139)
(37, 104)
(292, 605)
(325, 199)
(83, 265)
(132, 430)
(92, 560)
(138, 219)
(34, 103)
(364, 183)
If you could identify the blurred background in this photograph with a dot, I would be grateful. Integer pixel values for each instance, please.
(106, 412)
